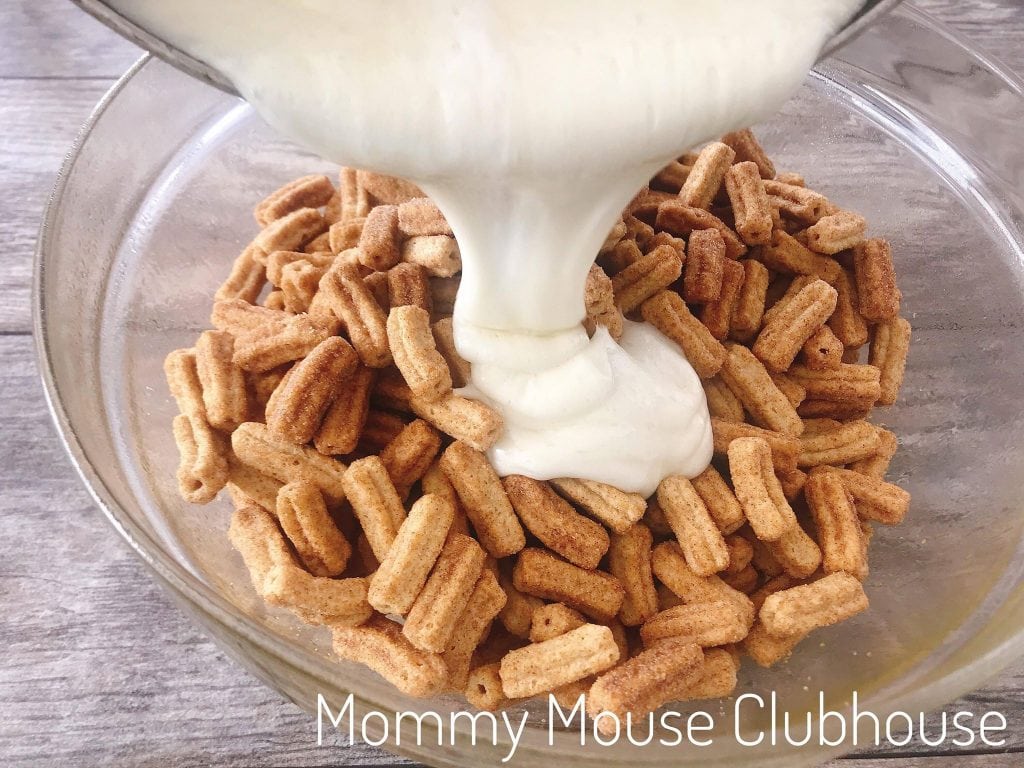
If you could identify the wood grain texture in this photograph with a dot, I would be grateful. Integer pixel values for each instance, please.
(99, 667)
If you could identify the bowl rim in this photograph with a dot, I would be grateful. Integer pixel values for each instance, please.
(171, 575)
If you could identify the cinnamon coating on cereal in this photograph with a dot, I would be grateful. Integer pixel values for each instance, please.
(667, 312)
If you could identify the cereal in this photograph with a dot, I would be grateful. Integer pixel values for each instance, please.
(254, 533)
(304, 518)
(714, 679)
(749, 311)
(722, 402)
(706, 175)
(517, 614)
(629, 561)
(385, 189)
(741, 552)
(315, 599)
(379, 239)
(311, 191)
(483, 497)
(877, 464)
(433, 616)
(415, 353)
(344, 235)
(787, 254)
(420, 217)
(835, 232)
(796, 202)
(342, 424)
(283, 342)
(793, 324)
(545, 666)
(375, 502)
(758, 490)
(750, 204)
(552, 620)
(617, 509)
(484, 690)
(669, 566)
(792, 391)
(203, 467)
(720, 501)
(849, 442)
(717, 315)
(593, 593)
(836, 521)
(705, 266)
(483, 604)
(437, 254)
(365, 322)
(748, 148)
(828, 600)
(247, 278)
(848, 383)
(303, 397)
(667, 312)
(846, 321)
(599, 303)
(237, 316)
(409, 284)
(444, 340)
(878, 295)
(469, 421)
(254, 445)
(784, 448)
(703, 624)
(889, 346)
(555, 523)
(645, 277)
(744, 374)
(408, 456)
(289, 232)
(875, 499)
(403, 571)
(380, 645)
(698, 536)
(822, 350)
(680, 219)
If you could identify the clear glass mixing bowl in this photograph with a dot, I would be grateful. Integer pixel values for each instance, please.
(909, 126)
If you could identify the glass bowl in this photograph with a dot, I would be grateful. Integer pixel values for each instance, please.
(908, 126)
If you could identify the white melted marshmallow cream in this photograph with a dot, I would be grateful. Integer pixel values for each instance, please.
(531, 123)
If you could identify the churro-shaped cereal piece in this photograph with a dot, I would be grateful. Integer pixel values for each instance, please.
(375, 502)
(846, 322)
(255, 534)
(302, 399)
(699, 537)
(787, 254)
(345, 235)
(705, 266)
(551, 519)
(299, 283)
(484, 690)
(852, 441)
(254, 445)
(669, 565)
(181, 369)
(645, 277)
(438, 254)
(311, 191)
(889, 347)
(435, 481)
(792, 482)
(877, 464)
(408, 456)
(616, 509)
(849, 410)
(409, 284)
(876, 499)
(483, 497)
(380, 645)
(784, 448)
(763, 647)
(836, 519)
(415, 353)
(342, 424)
(433, 616)
(749, 149)
(706, 175)
(483, 604)
(828, 600)
(849, 383)
(750, 205)
(747, 377)
(785, 332)
(680, 219)
(247, 278)
(741, 552)
(444, 339)
(278, 260)
(786, 289)
(744, 581)
(667, 312)
(542, 667)
(237, 316)
(720, 501)
(593, 593)
(289, 232)
(625, 253)
(835, 232)
(629, 561)
(796, 202)
(758, 490)
(716, 678)
(517, 614)
(364, 320)
(381, 428)
(316, 599)
(390, 391)
(793, 391)
(638, 685)
(469, 421)
(599, 303)
(379, 239)
(717, 315)
(270, 346)
(877, 293)
(823, 350)
(202, 466)
(420, 217)
(403, 571)
(303, 516)
(722, 401)
(705, 624)
(672, 176)
(275, 300)
(749, 311)
(387, 189)
(552, 620)
(797, 553)
(247, 485)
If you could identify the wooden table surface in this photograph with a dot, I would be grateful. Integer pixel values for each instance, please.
(98, 666)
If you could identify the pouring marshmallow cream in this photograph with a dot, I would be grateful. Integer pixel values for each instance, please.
(531, 123)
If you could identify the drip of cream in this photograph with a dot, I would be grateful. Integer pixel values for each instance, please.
(531, 123)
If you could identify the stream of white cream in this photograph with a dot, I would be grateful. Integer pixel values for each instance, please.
(531, 123)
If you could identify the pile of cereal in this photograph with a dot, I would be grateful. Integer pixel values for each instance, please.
(364, 499)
